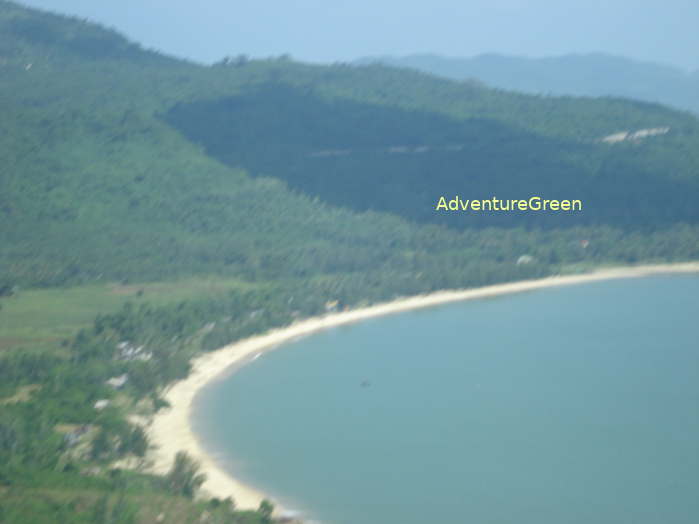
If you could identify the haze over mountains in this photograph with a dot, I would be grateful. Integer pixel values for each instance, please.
(594, 74)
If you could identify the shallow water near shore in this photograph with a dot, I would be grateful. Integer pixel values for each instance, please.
(575, 404)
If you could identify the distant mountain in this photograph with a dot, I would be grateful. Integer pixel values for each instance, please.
(594, 74)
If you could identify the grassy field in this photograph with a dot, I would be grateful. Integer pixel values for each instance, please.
(39, 319)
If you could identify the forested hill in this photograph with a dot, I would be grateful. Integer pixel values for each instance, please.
(152, 209)
(124, 163)
(594, 74)
(387, 158)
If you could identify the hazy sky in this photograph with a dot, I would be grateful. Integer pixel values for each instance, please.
(327, 30)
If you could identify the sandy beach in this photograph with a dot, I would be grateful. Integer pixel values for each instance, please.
(170, 430)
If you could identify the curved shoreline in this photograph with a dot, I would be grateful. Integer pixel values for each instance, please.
(171, 430)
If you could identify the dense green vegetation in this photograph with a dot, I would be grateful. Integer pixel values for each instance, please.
(153, 205)
(152, 209)
(60, 440)
(40, 318)
(336, 149)
(594, 74)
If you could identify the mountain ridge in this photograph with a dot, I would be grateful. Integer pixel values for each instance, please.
(589, 74)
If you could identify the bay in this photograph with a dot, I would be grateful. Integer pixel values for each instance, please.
(572, 405)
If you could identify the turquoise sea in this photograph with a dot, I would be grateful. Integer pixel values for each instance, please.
(570, 405)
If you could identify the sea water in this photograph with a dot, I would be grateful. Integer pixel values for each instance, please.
(568, 405)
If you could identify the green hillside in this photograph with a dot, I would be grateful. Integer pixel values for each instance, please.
(147, 202)
(95, 184)
(337, 149)
(105, 152)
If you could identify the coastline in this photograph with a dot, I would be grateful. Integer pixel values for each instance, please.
(170, 430)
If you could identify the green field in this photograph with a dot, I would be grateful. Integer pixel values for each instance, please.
(39, 319)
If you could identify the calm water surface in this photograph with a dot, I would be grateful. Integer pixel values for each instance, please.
(569, 405)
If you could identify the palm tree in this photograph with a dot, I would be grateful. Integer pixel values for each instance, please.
(184, 477)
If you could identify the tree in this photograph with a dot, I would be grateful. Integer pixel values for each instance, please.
(135, 442)
(184, 477)
(265, 510)
(229, 503)
(100, 445)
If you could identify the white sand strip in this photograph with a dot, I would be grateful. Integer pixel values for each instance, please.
(170, 430)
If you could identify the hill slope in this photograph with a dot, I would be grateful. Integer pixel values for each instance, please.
(385, 158)
(123, 163)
